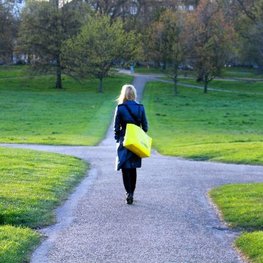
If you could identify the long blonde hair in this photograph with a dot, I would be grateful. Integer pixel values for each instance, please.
(128, 92)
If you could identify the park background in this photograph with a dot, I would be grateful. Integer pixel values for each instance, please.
(59, 78)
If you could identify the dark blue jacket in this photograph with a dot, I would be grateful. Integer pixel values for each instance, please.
(127, 159)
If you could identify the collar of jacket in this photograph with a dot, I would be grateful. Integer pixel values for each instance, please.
(130, 102)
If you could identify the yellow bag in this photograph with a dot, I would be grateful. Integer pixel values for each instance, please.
(137, 141)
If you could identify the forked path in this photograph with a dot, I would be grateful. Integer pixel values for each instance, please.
(171, 220)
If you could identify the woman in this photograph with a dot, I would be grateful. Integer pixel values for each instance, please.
(128, 111)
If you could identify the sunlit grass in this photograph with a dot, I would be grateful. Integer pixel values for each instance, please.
(16, 244)
(33, 184)
(252, 245)
(213, 126)
(241, 206)
(32, 111)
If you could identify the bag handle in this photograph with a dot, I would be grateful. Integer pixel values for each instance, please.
(132, 115)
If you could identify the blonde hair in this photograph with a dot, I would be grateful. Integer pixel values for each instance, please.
(128, 92)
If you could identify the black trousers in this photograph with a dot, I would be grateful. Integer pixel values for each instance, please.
(129, 177)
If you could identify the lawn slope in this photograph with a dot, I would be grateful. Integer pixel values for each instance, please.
(33, 184)
(215, 126)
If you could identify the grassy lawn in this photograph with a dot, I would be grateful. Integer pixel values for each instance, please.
(32, 111)
(242, 207)
(241, 204)
(239, 72)
(16, 244)
(252, 245)
(13, 71)
(211, 126)
(243, 86)
(32, 185)
(231, 72)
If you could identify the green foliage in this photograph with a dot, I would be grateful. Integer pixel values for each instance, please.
(43, 29)
(7, 31)
(33, 184)
(167, 42)
(211, 38)
(99, 45)
(249, 25)
(16, 243)
(166, 39)
(252, 245)
(33, 112)
(210, 127)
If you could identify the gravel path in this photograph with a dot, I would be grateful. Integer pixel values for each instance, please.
(171, 220)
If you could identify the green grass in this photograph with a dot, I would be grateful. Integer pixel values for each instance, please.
(211, 126)
(33, 184)
(32, 111)
(242, 207)
(239, 72)
(252, 245)
(16, 244)
(13, 71)
(227, 73)
(243, 86)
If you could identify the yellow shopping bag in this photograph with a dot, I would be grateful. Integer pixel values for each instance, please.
(137, 141)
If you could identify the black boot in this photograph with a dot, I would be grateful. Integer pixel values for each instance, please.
(129, 198)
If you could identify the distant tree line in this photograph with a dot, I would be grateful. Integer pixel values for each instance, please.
(86, 38)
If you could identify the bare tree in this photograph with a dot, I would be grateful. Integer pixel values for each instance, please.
(211, 38)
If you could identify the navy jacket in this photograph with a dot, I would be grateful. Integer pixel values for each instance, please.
(125, 158)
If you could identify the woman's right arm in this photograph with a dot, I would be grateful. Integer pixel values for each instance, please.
(144, 120)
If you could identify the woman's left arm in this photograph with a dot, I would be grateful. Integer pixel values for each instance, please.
(117, 125)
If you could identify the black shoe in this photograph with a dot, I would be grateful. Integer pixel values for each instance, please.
(129, 199)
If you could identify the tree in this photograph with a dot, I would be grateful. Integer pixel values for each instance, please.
(45, 26)
(112, 8)
(167, 42)
(7, 32)
(99, 45)
(250, 27)
(211, 38)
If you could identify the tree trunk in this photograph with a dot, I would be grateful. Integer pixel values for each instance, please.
(58, 75)
(205, 87)
(175, 79)
(206, 84)
(164, 65)
(175, 86)
(100, 87)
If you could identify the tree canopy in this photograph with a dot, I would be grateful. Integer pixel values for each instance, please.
(83, 38)
(43, 30)
(7, 32)
(211, 39)
(100, 44)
